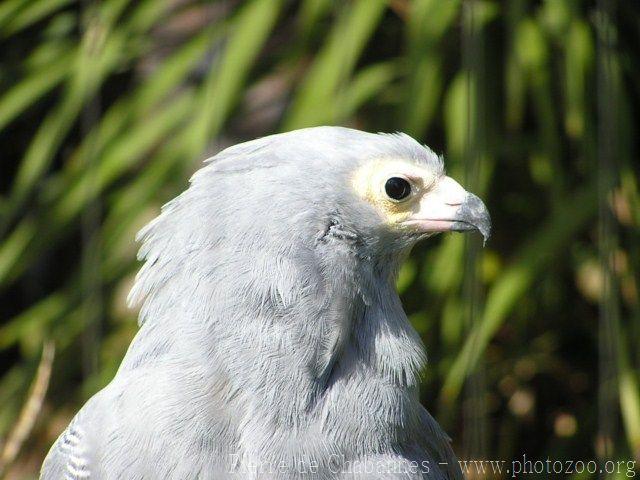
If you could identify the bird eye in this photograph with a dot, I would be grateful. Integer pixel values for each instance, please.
(397, 188)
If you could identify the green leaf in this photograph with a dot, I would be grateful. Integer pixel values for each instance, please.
(366, 84)
(30, 89)
(579, 58)
(428, 20)
(423, 94)
(314, 101)
(100, 53)
(17, 15)
(543, 248)
(226, 79)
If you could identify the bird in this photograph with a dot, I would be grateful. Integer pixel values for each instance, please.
(272, 342)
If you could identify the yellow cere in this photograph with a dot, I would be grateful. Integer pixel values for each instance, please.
(369, 181)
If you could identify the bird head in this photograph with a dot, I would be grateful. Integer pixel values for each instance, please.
(383, 192)
(416, 199)
(317, 199)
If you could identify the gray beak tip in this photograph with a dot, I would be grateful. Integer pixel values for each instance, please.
(473, 215)
(485, 230)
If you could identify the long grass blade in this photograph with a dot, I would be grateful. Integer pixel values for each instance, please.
(515, 280)
(334, 64)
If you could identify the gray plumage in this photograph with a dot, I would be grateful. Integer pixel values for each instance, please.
(272, 342)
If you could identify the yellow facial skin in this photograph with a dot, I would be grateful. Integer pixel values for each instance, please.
(369, 181)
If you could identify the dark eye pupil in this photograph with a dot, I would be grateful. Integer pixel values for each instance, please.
(397, 188)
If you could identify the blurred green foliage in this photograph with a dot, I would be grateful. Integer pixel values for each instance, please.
(107, 106)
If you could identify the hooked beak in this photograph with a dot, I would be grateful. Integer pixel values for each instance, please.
(449, 207)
